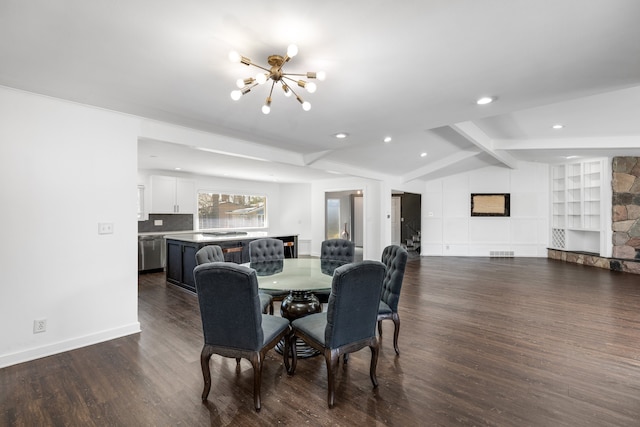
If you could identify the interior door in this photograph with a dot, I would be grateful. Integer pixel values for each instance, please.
(396, 220)
(358, 221)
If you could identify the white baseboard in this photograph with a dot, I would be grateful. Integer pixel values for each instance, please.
(67, 345)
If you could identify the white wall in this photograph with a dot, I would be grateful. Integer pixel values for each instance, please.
(65, 168)
(448, 228)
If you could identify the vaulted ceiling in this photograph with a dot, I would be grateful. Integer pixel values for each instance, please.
(411, 70)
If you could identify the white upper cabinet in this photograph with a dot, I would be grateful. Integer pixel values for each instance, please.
(172, 195)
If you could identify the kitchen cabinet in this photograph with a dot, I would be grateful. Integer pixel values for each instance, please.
(181, 260)
(172, 195)
(181, 252)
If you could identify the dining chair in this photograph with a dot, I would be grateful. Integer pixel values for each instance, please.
(348, 325)
(232, 322)
(338, 250)
(213, 253)
(209, 253)
(332, 252)
(266, 249)
(394, 257)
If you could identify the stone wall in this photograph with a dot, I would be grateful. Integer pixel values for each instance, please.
(626, 208)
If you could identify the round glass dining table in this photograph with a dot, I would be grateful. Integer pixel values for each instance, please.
(281, 277)
(296, 281)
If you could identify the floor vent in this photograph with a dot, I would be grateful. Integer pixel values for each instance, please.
(501, 254)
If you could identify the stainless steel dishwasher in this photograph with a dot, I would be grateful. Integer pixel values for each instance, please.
(151, 253)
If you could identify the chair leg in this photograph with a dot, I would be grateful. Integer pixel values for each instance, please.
(380, 327)
(256, 362)
(290, 351)
(396, 331)
(238, 361)
(375, 349)
(271, 308)
(205, 356)
(331, 358)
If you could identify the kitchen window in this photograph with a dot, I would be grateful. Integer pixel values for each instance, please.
(231, 211)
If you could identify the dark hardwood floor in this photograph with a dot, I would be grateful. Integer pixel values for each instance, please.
(484, 342)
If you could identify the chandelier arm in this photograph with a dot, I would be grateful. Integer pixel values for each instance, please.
(273, 83)
(285, 76)
(268, 70)
(293, 91)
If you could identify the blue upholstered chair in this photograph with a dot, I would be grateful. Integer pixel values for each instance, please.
(213, 253)
(232, 322)
(334, 252)
(338, 250)
(209, 253)
(266, 249)
(394, 257)
(348, 325)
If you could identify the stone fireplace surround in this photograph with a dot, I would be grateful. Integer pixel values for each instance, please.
(625, 220)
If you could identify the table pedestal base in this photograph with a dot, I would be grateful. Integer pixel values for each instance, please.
(295, 305)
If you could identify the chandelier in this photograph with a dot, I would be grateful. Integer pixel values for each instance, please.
(276, 75)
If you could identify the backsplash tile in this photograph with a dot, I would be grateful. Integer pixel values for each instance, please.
(170, 222)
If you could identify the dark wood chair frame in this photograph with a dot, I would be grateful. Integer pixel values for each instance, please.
(396, 325)
(255, 357)
(332, 358)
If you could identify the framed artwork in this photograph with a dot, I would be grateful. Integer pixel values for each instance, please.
(490, 204)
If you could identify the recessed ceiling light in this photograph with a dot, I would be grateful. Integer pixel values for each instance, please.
(485, 100)
(558, 126)
(423, 154)
(341, 135)
(571, 157)
(387, 139)
(178, 169)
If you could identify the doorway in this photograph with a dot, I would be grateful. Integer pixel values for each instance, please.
(344, 217)
(406, 214)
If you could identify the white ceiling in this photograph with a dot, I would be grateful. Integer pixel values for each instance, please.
(408, 69)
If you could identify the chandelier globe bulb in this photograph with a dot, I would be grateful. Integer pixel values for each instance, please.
(261, 78)
(292, 50)
(234, 56)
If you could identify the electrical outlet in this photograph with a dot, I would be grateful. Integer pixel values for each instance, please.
(39, 325)
(105, 228)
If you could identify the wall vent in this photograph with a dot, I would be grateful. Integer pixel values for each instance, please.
(501, 254)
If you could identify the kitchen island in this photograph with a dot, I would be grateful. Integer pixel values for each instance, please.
(182, 248)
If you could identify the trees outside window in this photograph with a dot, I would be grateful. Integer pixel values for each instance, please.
(231, 211)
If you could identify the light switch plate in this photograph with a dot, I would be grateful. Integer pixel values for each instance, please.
(105, 228)
(157, 222)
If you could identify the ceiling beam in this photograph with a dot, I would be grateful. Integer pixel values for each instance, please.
(206, 141)
(438, 165)
(608, 142)
(311, 158)
(477, 137)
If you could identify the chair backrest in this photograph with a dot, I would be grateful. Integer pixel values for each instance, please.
(209, 253)
(229, 305)
(266, 250)
(338, 249)
(394, 257)
(352, 310)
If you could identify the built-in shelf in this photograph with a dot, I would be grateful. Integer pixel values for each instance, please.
(576, 208)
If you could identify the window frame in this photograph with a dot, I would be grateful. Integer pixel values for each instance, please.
(232, 195)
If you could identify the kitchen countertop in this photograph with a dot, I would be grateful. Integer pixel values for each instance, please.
(213, 236)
